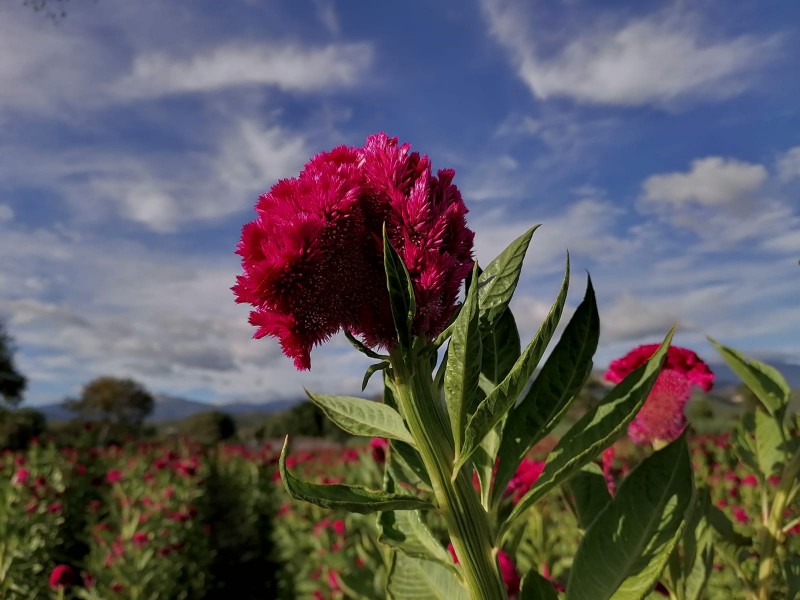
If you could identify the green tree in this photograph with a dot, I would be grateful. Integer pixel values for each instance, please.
(12, 382)
(113, 401)
(209, 427)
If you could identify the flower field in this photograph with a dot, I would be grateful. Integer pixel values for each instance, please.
(177, 520)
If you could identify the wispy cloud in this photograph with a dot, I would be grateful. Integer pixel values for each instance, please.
(288, 67)
(661, 59)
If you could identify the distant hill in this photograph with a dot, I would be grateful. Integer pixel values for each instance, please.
(173, 408)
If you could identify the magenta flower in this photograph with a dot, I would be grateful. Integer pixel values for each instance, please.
(662, 416)
(63, 576)
(313, 257)
(379, 447)
(526, 475)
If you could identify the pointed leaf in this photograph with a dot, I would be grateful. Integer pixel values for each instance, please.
(354, 498)
(405, 531)
(536, 587)
(363, 417)
(498, 282)
(500, 400)
(371, 370)
(590, 494)
(769, 443)
(628, 545)
(766, 382)
(595, 431)
(500, 348)
(401, 295)
(422, 580)
(463, 363)
(359, 345)
(406, 465)
(561, 378)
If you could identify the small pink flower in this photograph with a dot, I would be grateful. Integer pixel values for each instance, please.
(339, 527)
(662, 416)
(740, 515)
(140, 539)
(21, 477)
(63, 576)
(379, 446)
(114, 476)
(527, 474)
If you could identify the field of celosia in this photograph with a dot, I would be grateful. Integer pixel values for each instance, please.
(177, 520)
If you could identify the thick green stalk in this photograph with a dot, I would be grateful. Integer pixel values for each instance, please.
(467, 522)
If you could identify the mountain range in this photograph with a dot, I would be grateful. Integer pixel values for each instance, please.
(173, 408)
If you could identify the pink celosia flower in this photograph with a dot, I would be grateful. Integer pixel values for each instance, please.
(608, 470)
(63, 576)
(378, 447)
(114, 476)
(313, 258)
(662, 416)
(21, 477)
(527, 474)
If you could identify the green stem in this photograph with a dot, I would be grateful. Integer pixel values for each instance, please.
(467, 522)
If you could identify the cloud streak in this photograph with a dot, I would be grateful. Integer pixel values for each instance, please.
(662, 59)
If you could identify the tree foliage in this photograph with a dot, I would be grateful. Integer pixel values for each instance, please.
(12, 382)
(209, 427)
(113, 400)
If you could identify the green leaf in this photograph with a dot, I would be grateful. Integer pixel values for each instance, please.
(406, 465)
(371, 370)
(484, 460)
(743, 441)
(590, 493)
(363, 417)
(791, 572)
(595, 431)
(766, 382)
(696, 559)
(497, 283)
(500, 400)
(401, 295)
(405, 531)
(359, 345)
(536, 587)
(356, 499)
(501, 347)
(628, 545)
(561, 378)
(463, 363)
(422, 580)
(769, 443)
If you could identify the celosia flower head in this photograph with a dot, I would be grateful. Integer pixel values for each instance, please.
(63, 576)
(662, 415)
(313, 257)
(526, 475)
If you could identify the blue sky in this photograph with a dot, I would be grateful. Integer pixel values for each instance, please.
(658, 141)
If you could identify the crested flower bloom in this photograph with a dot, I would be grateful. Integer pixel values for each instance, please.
(313, 257)
(662, 416)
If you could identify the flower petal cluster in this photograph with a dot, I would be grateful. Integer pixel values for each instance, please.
(313, 257)
(662, 416)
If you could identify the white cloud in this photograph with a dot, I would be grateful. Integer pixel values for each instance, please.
(326, 13)
(710, 181)
(660, 59)
(789, 164)
(6, 213)
(289, 67)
